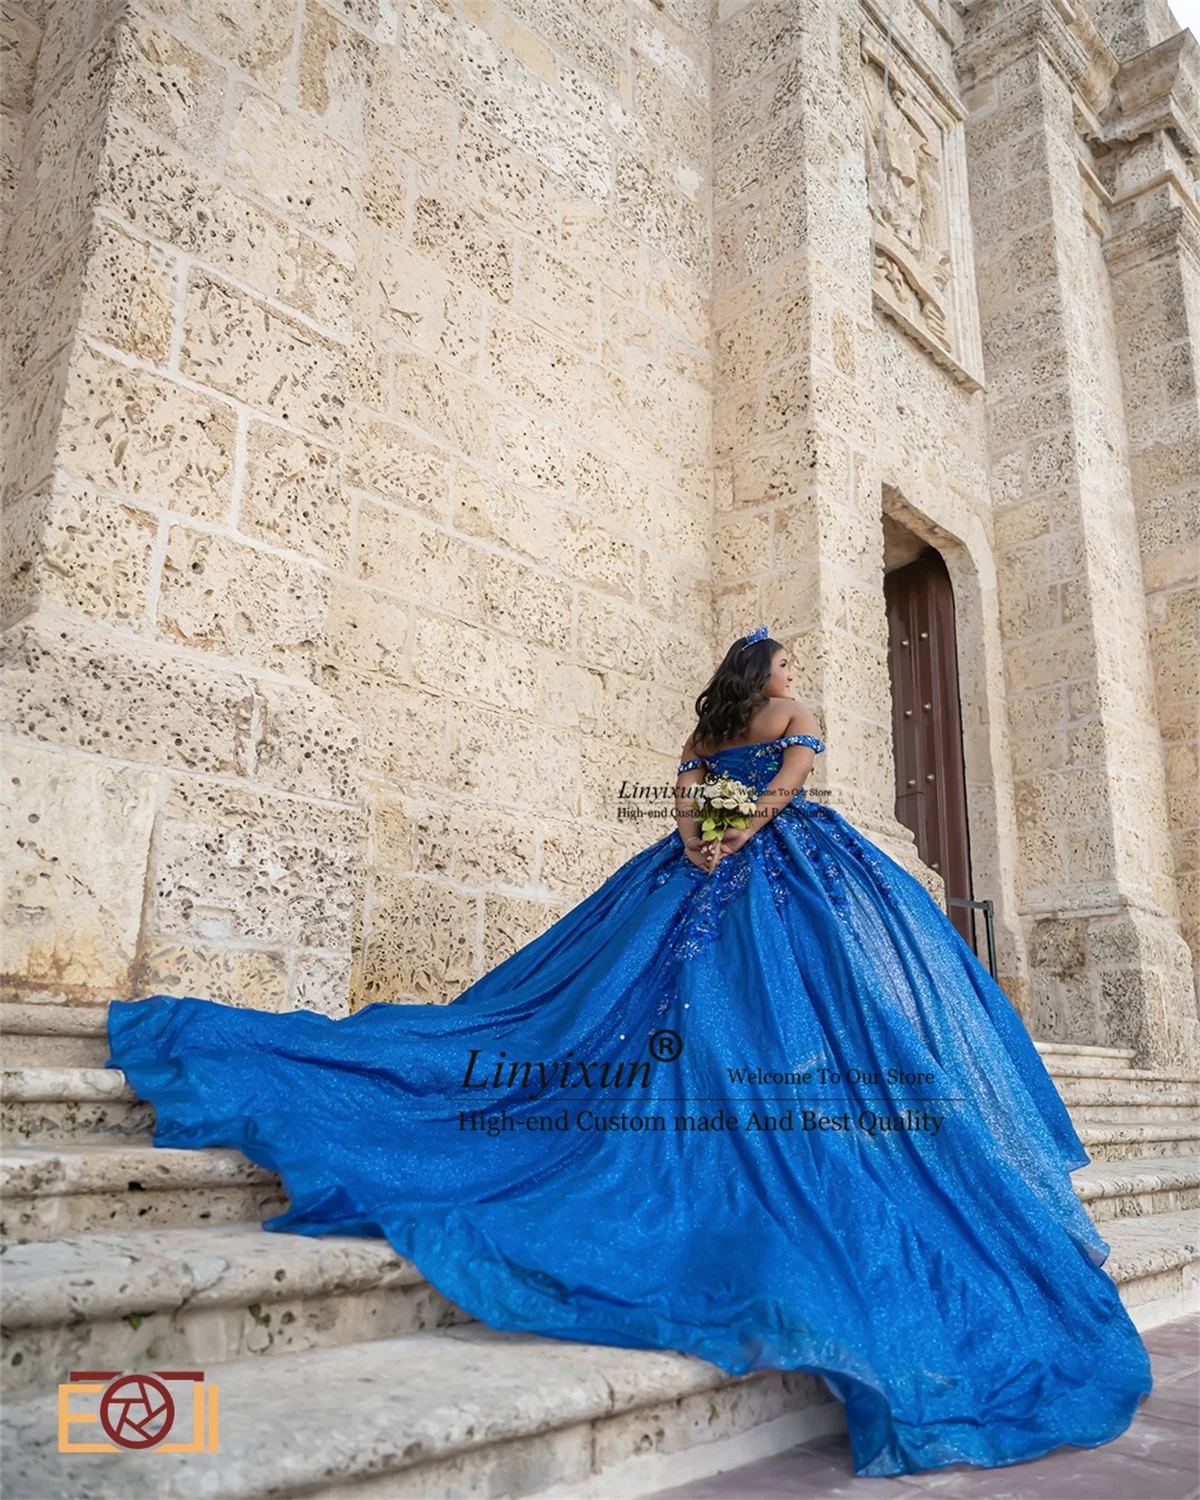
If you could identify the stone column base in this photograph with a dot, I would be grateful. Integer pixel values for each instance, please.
(1121, 979)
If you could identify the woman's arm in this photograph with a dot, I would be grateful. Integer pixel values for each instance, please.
(698, 852)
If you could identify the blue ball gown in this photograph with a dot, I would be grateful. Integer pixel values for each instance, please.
(943, 1278)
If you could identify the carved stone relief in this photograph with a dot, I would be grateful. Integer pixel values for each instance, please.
(921, 275)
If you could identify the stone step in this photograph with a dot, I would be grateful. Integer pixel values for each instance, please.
(465, 1411)
(1156, 1263)
(145, 1298)
(1097, 1101)
(1138, 1187)
(1103, 1068)
(54, 1036)
(1052, 1052)
(50, 1191)
(138, 1298)
(456, 1414)
(1126, 1141)
(41, 1105)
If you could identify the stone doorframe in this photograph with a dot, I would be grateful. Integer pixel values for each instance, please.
(990, 810)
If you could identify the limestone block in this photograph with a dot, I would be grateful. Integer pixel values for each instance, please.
(151, 187)
(258, 40)
(402, 468)
(605, 488)
(534, 368)
(787, 397)
(443, 402)
(239, 345)
(22, 38)
(233, 976)
(525, 46)
(509, 516)
(503, 181)
(40, 319)
(63, 137)
(365, 632)
(473, 845)
(612, 636)
(143, 436)
(552, 293)
(514, 762)
(630, 423)
(337, 68)
(651, 207)
(509, 922)
(464, 243)
(683, 1425)
(127, 292)
(302, 744)
(605, 254)
(77, 833)
(76, 686)
(529, 451)
(399, 552)
(744, 546)
(175, 90)
(293, 495)
(403, 728)
(546, 123)
(266, 869)
(322, 983)
(677, 119)
(392, 830)
(220, 595)
(407, 111)
(75, 549)
(595, 556)
(590, 36)
(434, 315)
(474, 664)
(626, 331)
(577, 859)
(421, 940)
(571, 695)
(524, 601)
(673, 593)
(682, 532)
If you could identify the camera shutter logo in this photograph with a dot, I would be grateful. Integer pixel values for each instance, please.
(137, 1411)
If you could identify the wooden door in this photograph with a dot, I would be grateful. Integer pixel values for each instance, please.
(931, 795)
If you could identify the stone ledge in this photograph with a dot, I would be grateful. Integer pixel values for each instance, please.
(397, 1405)
(1070, 1049)
(52, 1018)
(1144, 1247)
(1104, 1179)
(110, 1275)
(68, 1083)
(35, 1171)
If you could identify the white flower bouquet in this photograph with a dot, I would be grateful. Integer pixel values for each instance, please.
(722, 803)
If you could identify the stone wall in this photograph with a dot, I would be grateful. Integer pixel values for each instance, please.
(412, 399)
(358, 491)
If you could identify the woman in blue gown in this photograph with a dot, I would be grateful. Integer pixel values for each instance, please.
(762, 1105)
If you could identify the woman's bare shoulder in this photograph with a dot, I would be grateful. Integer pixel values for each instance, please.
(800, 718)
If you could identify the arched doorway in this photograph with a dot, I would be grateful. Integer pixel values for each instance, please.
(931, 795)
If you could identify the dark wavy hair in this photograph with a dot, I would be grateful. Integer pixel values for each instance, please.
(723, 709)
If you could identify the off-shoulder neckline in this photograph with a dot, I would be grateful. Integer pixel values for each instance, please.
(757, 744)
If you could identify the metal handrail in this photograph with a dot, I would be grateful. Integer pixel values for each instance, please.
(988, 919)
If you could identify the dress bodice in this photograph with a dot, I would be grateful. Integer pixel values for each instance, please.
(755, 764)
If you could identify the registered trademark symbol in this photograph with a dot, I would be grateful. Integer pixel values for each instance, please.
(665, 1046)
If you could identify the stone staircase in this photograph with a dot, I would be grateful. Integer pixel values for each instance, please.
(120, 1255)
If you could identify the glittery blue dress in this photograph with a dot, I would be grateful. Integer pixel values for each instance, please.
(778, 1117)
